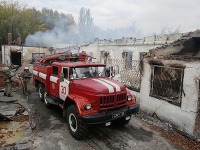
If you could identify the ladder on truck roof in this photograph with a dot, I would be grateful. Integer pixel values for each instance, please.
(47, 60)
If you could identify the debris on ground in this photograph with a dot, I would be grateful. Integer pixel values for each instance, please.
(4, 118)
(166, 130)
(11, 132)
(15, 121)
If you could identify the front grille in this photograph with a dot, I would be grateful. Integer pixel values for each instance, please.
(121, 99)
(112, 101)
(107, 101)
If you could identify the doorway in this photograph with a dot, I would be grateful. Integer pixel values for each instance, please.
(15, 58)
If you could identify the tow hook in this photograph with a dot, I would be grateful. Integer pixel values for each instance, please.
(108, 124)
(128, 117)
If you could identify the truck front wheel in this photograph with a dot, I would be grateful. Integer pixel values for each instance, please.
(41, 90)
(77, 129)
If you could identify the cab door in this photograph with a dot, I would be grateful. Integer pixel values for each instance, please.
(64, 85)
(54, 82)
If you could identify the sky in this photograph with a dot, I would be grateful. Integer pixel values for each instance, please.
(150, 15)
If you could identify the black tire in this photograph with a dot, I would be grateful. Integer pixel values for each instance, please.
(121, 121)
(37, 87)
(76, 128)
(47, 104)
(41, 90)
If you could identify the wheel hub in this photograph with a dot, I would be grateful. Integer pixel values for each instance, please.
(45, 98)
(73, 122)
(40, 94)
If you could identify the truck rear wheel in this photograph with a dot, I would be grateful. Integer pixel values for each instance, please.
(47, 104)
(41, 90)
(77, 129)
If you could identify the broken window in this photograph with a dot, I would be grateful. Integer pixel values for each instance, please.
(166, 83)
(127, 56)
(104, 56)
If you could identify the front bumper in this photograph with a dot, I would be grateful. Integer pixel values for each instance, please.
(107, 116)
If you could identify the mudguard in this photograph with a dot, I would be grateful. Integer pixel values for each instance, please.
(80, 103)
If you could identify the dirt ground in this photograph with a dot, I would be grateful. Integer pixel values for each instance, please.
(51, 132)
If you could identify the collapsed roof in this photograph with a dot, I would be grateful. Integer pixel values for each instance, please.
(186, 47)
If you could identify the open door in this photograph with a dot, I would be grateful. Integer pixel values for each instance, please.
(64, 85)
(15, 58)
(54, 82)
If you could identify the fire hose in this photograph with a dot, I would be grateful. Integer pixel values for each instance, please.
(30, 113)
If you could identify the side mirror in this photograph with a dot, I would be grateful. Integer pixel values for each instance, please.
(107, 71)
(61, 77)
(113, 73)
(110, 72)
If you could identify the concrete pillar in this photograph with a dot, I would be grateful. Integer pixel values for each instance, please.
(9, 38)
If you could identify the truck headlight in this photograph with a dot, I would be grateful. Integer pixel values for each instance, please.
(88, 106)
(129, 98)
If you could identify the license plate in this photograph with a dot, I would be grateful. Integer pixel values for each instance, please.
(118, 115)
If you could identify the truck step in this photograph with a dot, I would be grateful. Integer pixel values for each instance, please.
(53, 100)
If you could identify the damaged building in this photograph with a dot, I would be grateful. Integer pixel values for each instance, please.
(19, 55)
(125, 55)
(162, 71)
(170, 83)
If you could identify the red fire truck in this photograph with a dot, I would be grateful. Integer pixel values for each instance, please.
(84, 91)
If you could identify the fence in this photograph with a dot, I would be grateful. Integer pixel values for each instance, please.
(130, 72)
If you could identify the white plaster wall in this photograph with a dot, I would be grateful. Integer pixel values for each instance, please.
(116, 51)
(28, 51)
(118, 46)
(191, 87)
(183, 117)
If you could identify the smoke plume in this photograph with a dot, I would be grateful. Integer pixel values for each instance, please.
(60, 34)
(65, 33)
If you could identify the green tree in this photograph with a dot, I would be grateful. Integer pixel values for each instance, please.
(18, 20)
(50, 18)
(86, 26)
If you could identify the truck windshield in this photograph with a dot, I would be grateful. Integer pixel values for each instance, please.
(87, 72)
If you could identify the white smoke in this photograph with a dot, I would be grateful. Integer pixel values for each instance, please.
(61, 34)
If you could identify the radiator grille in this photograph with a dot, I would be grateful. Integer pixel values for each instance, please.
(112, 101)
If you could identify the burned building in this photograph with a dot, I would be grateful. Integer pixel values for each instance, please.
(19, 55)
(170, 83)
(125, 55)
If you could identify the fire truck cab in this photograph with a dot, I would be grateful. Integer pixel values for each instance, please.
(84, 91)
